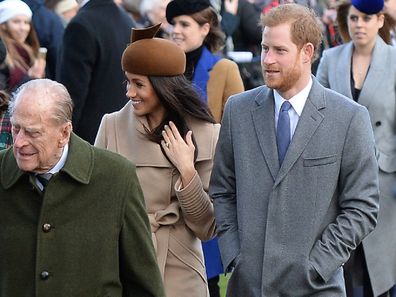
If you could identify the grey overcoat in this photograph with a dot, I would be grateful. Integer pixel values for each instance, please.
(379, 96)
(290, 229)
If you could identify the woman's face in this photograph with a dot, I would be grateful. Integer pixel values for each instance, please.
(18, 27)
(187, 33)
(144, 99)
(363, 28)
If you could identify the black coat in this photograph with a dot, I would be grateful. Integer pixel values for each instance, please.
(89, 63)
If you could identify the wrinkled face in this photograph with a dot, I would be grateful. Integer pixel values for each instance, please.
(363, 28)
(38, 140)
(144, 99)
(281, 60)
(390, 8)
(187, 33)
(18, 27)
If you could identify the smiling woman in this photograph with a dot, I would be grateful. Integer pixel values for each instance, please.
(169, 133)
(18, 34)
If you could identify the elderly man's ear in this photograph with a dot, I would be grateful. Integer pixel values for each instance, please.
(66, 132)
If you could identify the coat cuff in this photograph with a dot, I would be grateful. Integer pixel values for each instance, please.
(194, 201)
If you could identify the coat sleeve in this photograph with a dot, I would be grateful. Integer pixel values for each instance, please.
(140, 275)
(76, 63)
(222, 189)
(196, 205)
(358, 199)
(233, 83)
(322, 74)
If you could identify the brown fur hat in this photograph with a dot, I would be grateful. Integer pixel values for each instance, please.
(147, 55)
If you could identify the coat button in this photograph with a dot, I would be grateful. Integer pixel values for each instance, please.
(44, 275)
(47, 227)
(377, 124)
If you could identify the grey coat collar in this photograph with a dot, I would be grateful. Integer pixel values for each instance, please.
(375, 71)
(264, 124)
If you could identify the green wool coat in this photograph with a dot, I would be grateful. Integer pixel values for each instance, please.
(88, 235)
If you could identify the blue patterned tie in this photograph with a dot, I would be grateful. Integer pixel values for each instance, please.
(44, 179)
(283, 131)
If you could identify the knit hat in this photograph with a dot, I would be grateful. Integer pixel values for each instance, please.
(11, 8)
(147, 55)
(368, 6)
(65, 5)
(184, 7)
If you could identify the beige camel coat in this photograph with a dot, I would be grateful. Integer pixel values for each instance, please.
(224, 81)
(179, 218)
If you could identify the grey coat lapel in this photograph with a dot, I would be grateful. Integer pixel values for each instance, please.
(343, 77)
(309, 121)
(375, 71)
(264, 124)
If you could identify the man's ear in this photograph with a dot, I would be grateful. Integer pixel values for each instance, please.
(66, 131)
(308, 51)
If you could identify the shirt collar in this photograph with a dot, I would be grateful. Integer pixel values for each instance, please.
(58, 166)
(297, 101)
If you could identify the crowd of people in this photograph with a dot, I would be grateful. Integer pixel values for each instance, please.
(148, 147)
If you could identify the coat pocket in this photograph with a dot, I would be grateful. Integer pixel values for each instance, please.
(386, 163)
(310, 162)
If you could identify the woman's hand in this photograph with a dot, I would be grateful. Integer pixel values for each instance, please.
(179, 151)
(38, 68)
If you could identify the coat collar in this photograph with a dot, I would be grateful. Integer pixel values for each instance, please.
(79, 163)
(263, 116)
(370, 85)
(375, 72)
(132, 143)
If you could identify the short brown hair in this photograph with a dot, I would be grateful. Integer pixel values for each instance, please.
(304, 24)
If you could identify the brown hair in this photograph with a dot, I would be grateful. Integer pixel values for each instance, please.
(304, 24)
(215, 39)
(180, 100)
(31, 45)
(342, 23)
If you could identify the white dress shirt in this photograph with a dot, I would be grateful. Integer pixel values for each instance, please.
(297, 102)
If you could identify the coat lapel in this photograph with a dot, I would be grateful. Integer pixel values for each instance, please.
(343, 77)
(370, 85)
(264, 124)
(309, 121)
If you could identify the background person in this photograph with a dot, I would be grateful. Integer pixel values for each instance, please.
(170, 135)
(196, 30)
(82, 232)
(23, 61)
(294, 181)
(92, 44)
(364, 70)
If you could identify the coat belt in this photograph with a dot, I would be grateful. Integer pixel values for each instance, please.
(160, 222)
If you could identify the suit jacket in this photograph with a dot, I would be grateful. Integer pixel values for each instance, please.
(89, 64)
(97, 239)
(179, 218)
(378, 95)
(290, 229)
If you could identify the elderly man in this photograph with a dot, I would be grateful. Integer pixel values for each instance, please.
(294, 181)
(72, 217)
